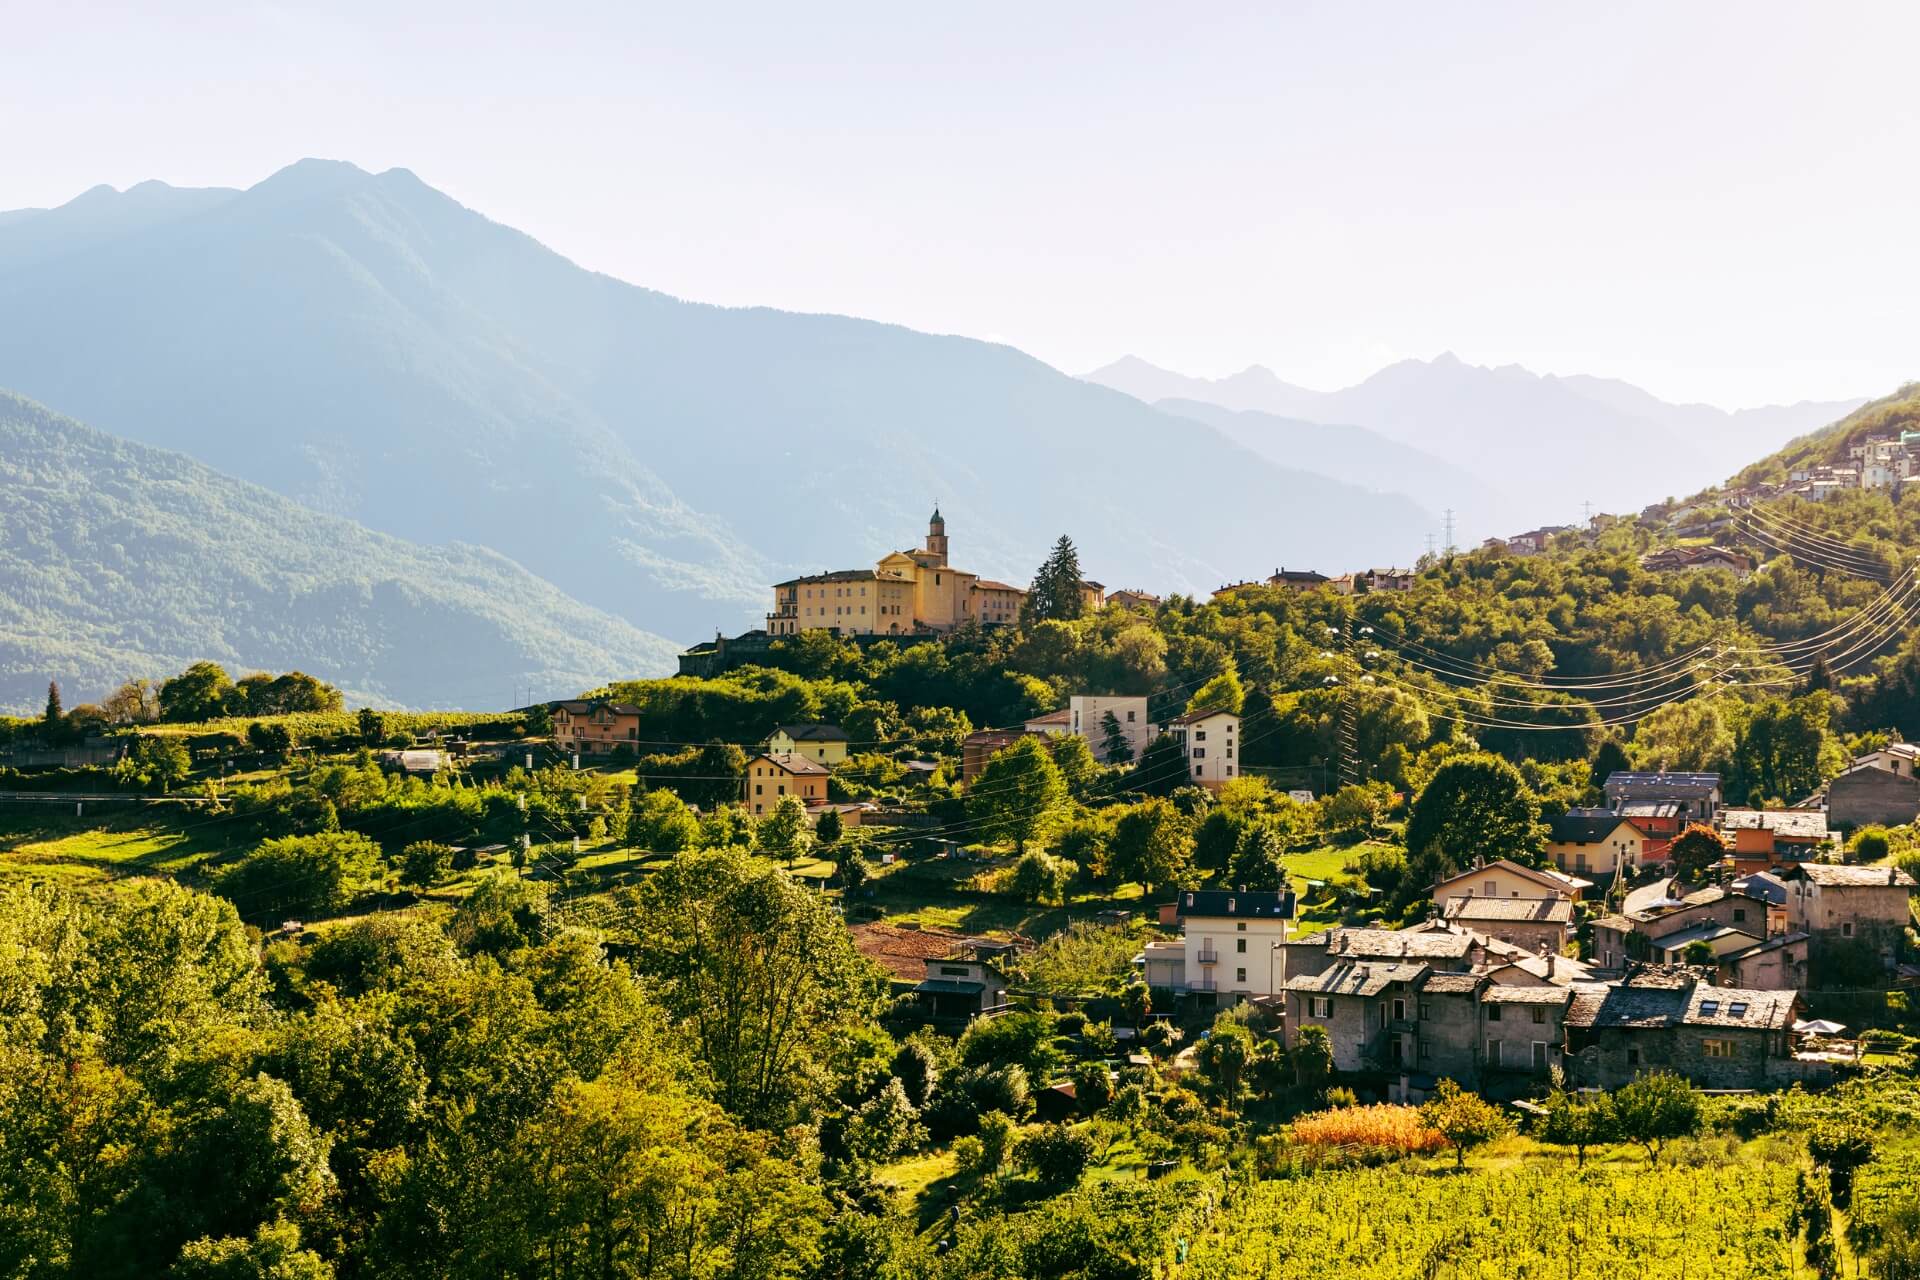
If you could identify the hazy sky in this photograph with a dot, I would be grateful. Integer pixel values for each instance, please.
(1717, 201)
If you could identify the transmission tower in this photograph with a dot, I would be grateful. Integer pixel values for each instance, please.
(1449, 528)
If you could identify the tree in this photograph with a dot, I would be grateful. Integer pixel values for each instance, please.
(1358, 808)
(1222, 693)
(1464, 1119)
(272, 1253)
(783, 834)
(1696, 851)
(135, 702)
(760, 973)
(503, 914)
(425, 863)
(1092, 1086)
(1700, 954)
(917, 1068)
(1055, 1155)
(1137, 999)
(827, 828)
(1017, 793)
(1162, 769)
(1475, 806)
(1841, 1147)
(154, 761)
(300, 875)
(1820, 680)
(1152, 844)
(1609, 759)
(1225, 1056)
(1039, 878)
(1259, 862)
(198, 693)
(1114, 747)
(271, 738)
(1055, 594)
(373, 727)
(53, 721)
(1579, 1122)
(1312, 1056)
(852, 871)
(1656, 1108)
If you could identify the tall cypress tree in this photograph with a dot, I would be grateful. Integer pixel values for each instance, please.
(1056, 587)
(55, 713)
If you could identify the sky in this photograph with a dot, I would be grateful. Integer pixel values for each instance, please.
(1715, 201)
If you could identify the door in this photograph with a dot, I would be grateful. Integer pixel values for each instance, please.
(1539, 1055)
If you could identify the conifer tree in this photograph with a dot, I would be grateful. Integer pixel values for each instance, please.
(55, 714)
(1055, 593)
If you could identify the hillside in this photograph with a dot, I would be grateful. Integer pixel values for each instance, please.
(120, 560)
(1540, 444)
(368, 346)
(1888, 416)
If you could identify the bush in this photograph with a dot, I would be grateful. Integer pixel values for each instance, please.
(1869, 844)
(425, 863)
(1040, 878)
(300, 875)
(1383, 1126)
(1056, 1156)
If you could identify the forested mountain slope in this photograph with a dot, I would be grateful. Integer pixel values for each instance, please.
(119, 560)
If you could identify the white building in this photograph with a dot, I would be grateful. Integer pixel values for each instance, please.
(1087, 718)
(1229, 946)
(1209, 740)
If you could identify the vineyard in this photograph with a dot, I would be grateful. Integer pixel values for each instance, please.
(1719, 1223)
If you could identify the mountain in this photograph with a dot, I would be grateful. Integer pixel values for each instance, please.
(367, 345)
(1543, 444)
(1890, 415)
(120, 560)
(1353, 455)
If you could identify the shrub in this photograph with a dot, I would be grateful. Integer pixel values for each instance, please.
(1382, 1126)
(1055, 1155)
(300, 875)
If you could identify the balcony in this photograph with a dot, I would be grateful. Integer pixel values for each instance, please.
(1208, 956)
(1203, 984)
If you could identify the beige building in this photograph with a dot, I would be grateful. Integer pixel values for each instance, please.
(1209, 740)
(905, 593)
(824, 743)
(1505, 879)
(771, 776)
(1596, 841)
(596, 728)
(1230, 945)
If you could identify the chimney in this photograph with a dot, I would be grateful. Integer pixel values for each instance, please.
(1552, 962)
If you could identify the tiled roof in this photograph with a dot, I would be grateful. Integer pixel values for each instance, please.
(792, 762)
(1553, 879)
(905, 952)
(1205, 713)
(1774, 943)
(1822, 873)
(578, 707)
(1535, 910)
(988, 584)
(1619, 924)
(1062, 716)
(1357, 978)
(837, 575)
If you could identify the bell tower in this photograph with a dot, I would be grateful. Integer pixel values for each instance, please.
(937, 534)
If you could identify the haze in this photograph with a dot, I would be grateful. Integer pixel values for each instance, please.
(1712, 201)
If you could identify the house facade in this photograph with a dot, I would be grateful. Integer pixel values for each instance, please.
(1230, 948)
(771, 776)
(1848, 913)
(983, 745)
(1589, 841)
(1087, 718)
(1866, 794)
(1531, 924)
(595, 728)
(1716, 1037)
(1508, 879)
(824, 743)
(1209, 741)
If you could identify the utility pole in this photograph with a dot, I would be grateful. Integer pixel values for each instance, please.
(1449, 527)
(1348, 748)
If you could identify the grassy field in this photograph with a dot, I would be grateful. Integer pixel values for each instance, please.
(112, 841)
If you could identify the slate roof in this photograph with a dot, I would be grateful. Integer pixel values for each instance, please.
(1619, 924)
(1501, 994)
(582, 706)
(1650, 809)
(1794, 824)
(1432, 944)
(1774, 943)
(1657, 1000)
(1733, 1007)
(1357, 978)
(1205, 713)
(1659, 785)
(1768, 888)
(1236, 904)
(1515, 910)
(1554, 880)
(813, 732)
(1822, 873)
(1680, 939)
(1453, 983)
(1587, 828)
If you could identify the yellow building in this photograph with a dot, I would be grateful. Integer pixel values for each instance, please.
(825, 743)
(906, 592)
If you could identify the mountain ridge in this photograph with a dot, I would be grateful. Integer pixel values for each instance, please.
(120, 560)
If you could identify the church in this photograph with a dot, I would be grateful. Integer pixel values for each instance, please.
(914, 592)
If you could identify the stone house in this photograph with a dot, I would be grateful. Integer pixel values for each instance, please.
(1717, 1037)
(1447, 1011)
(1532, 924)
(1777, 964)
(1860, 910)
(1522, 1029)
(1696, 794)
(1866, 794)
(1443, 950)
(1367, 1008)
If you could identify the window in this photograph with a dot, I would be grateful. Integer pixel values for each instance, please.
(1200, 753)
(1319, 1007)
(1199, 735)
(1493, 1013)
(1426, 1051)
(1129, 717)
(1399, 1010)
(1846, 926)
(1491, 889)
(1633, 1057)
(957, 970)
(1241, 927)
(1738, 1009)
(1739, 915)
(1539, 1055)
(1493, 1053)
(1539, 1013)
(1709, 1007)
(1239, 975)
(1717, 1048)
(1426, 1011)
(1240, 945)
